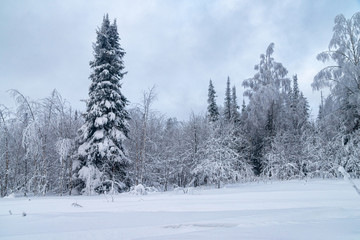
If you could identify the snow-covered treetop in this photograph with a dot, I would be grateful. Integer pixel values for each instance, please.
(344, 50)
(213, 111)
(268, 73)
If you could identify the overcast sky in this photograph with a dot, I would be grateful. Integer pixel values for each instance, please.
(175, 45)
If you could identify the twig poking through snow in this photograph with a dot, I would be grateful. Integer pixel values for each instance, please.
(75, 204)
(112, 197)
(348, 178)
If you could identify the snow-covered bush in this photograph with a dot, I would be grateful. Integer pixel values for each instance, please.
(216, 162)
(138, 190)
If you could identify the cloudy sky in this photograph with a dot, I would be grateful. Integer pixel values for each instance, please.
(175, 45)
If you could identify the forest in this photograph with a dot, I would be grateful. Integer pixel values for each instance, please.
(48, 147)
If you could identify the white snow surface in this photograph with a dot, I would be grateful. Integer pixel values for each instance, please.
(316, 209)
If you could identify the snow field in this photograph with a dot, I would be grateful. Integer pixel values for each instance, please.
(317, 209)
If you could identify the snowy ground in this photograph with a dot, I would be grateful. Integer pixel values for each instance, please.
(318, 209)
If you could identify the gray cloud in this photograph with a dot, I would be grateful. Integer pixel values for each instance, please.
(176, 45)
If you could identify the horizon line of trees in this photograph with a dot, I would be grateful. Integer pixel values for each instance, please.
(48, 147)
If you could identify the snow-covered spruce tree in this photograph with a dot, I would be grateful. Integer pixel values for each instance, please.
(235, 116)
(213, 110)
(102, 160)
(329, 122)
(227, 102)
(299, 107)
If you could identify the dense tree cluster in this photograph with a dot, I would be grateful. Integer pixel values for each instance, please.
(47, 147)
(37, 145)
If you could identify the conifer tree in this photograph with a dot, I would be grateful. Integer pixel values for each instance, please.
(296, 91)
(102, 161)
(299, 107)
(321, 109)
(213, 111)
(227, 103)
(243, 107)
(235, 116)
(294, 103)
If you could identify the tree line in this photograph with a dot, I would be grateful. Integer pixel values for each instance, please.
(48, 147)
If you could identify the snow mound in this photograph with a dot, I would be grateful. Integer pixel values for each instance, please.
(142, 190)
(138, 190)
(12, 195)
(184, 190)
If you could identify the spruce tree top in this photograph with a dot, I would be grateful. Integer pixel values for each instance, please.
(235, 116)
(213, 111)
(227, 102)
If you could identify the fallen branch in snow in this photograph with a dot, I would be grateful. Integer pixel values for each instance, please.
(75, 204)
(348, 178)
(185, 190)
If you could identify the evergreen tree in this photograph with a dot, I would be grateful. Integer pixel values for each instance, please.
(213, 111)
(321, 109)
(102, 160)
(296, 91)
(243, 113)
(235, 116)
(299, 107)
(243, 107)
(227, 103)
